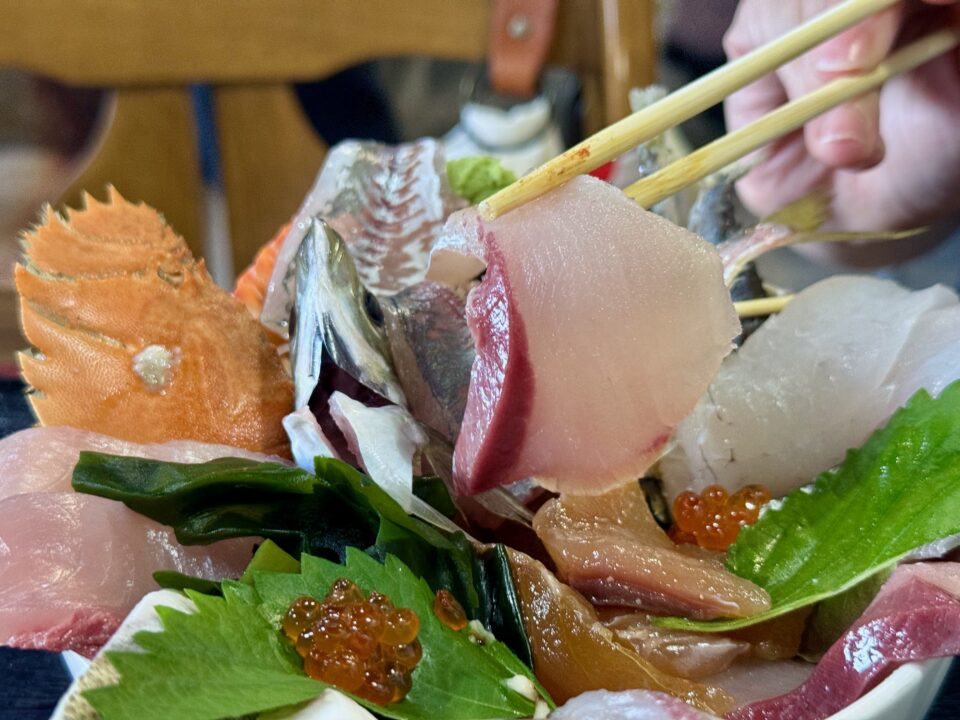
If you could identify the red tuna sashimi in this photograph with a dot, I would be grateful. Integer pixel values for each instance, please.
(598, 325)
(611, 549)
(915, 616)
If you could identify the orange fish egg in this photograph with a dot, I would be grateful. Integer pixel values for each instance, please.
(713, 519)
(361, 644)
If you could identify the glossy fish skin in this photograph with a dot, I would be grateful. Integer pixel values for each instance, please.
(387, 202)
(432, 353)
(611, 549)
(333, 316)
(715, 217)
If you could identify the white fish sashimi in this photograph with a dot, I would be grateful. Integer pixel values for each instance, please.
(41, 459)
(815, 381)
(307, 439)
(386, 441)
(597, 327)
(627, 705)
(72, 566)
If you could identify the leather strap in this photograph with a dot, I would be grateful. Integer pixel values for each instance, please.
(520, 35)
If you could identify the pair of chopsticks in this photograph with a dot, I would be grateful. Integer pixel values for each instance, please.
(711, 89)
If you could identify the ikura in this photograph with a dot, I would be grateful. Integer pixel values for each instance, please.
(363, 645)
(713, 519)
(449, 610)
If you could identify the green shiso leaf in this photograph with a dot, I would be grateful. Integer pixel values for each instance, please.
(230, 658)
(270, 557)
(321, 514)
(900, 491)
(225, 660)
(477, 178)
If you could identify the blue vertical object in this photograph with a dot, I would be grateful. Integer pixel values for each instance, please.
(209, 147)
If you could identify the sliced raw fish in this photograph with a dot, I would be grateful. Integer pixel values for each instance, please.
(627, 705)
(336, 317)
(752, 680)
(432, 353)
(388, 203)
(307, 439)
(41, 459)
(813, 382)
(915, 616)
(684, 654)
(386, 442)
(573, 652)
(597, 326)
(611, 549)
(72, 566)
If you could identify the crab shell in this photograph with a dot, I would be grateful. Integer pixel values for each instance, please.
(133, 339)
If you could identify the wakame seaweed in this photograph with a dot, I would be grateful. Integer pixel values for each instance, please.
(321, 515)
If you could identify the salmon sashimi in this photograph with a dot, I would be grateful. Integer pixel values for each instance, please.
(597, 327)
(611, 549)
(251, 285)
(132, 338)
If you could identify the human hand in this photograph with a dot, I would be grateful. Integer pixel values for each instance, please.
(891, 158)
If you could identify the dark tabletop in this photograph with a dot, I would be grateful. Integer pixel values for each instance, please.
(31, 681)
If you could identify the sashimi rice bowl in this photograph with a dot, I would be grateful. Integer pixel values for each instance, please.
(422, 463)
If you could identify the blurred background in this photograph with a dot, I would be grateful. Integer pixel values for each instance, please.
(219, 114)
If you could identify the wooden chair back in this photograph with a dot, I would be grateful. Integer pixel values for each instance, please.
(249, 51)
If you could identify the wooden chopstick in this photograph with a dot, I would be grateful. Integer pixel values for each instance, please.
(785, 119)
(761, 306)
(681, 105)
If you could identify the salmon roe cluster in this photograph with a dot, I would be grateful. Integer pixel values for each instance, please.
(363, 645)
(713, 519)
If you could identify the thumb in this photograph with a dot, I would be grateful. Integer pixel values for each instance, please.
(847, 136)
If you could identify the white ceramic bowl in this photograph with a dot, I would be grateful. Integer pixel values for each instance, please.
(906, 695)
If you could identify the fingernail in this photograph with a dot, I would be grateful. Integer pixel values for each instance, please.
(843, 56)
(849, 124)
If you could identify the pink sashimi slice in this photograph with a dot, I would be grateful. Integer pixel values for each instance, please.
(627, 705)
(915, 616)
(41, 459)
(72, 566)
(597, 327)
(611, 549)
